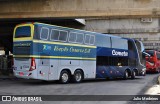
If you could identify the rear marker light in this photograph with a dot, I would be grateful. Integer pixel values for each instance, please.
(33, 64)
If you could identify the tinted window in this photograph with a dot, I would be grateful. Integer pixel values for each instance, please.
(24, 31)
(44, 33)
(54, 35)
(112, 61)
(92, 40)
(87, 38)
(72, 37)
(103, 41)
(119, 43)
(79, 38)
(63, 36)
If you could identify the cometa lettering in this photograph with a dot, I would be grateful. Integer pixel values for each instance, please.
(118, 53)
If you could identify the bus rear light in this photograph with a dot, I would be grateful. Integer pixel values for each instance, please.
(21, 73)
(33, 64)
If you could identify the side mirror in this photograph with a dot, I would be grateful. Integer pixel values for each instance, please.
(146, 54)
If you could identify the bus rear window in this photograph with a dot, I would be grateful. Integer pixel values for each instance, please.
(24, 31)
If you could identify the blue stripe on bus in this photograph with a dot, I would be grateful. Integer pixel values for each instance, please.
(61, 50)
(46, 49)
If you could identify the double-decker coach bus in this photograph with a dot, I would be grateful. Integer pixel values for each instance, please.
(48, 52)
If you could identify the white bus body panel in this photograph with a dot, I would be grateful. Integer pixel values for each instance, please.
(50, 69)
(23, 66)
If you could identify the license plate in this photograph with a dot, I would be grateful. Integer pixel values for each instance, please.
(21, 73)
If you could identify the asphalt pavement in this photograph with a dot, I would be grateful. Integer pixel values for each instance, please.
(140, 86)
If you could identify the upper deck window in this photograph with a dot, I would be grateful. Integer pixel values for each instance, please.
(92, 40)
(76, 37)
(54, 35)
(44, 33)
(89, 39)
(63, 35)
(119, 43)
(24, 31)
(79, 38)
(58, 35)
(72, 37)
(103, 41)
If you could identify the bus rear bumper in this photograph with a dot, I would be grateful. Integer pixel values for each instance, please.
(25, 75)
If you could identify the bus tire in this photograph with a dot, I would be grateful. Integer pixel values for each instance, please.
(126, 74)
(64, 77)
(78, 76)
(133, 75)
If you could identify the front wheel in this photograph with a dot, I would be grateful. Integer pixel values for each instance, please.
(78, 76)
(64, 77)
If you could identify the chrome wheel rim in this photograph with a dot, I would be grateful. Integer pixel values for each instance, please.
(65, 77)
(78, 77)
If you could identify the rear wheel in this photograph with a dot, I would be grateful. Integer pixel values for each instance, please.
(125, 75)
(78, 76)
(64, 77)
(133, 74)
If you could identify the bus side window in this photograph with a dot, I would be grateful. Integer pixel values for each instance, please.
(92, 40)
(54, 35)
(72, 37)
(79, 38)
(44, 33)
(103, 41)
(87, 38)
(58, 35)
(119, 43)
(63, 36)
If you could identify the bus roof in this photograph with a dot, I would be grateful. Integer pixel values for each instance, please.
(78, 30)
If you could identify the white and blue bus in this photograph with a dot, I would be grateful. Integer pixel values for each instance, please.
(48, 52)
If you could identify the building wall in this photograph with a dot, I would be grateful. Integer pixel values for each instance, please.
(146, 31)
